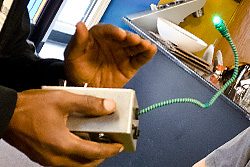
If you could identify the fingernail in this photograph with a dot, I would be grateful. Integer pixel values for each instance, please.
(109, 104)
(121, 149)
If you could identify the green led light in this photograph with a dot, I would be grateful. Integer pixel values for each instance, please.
(217, 21)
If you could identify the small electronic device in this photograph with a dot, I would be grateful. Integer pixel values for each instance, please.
(120, 126)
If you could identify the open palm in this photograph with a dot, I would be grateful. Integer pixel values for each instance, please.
(105, 56)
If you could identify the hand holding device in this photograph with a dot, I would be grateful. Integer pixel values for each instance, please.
(38, 128)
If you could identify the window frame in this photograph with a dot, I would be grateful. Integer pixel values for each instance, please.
(62, 32)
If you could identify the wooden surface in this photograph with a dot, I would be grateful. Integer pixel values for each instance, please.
(203, 27)
(240, 33)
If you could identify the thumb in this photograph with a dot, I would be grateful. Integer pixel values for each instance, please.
(87, 105)
(98, 107)
(78, 41)
(81, 34)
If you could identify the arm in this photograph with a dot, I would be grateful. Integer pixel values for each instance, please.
(20, 68)
(106, 56)
(8, 99)
(236, 153)
(38, 128)
(40, 116)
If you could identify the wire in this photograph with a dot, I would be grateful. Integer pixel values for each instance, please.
(221, 27)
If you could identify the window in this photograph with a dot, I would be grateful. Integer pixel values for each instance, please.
(88, 11)
(35, 8)
(70, 13)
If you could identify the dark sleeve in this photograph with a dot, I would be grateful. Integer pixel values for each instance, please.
(235, 153)
(20, 68)
(8, 99)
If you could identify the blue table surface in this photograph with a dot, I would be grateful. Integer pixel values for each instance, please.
(179, 134)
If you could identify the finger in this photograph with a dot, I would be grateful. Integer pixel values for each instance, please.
(81, 34)
(78, 41)
(71, 162)
(87, 105)
(111, 32)
(93, 163)
(131, 39)
(108, 31)
(144, 45)
(93, 150)
(142, 58)
(78, 160)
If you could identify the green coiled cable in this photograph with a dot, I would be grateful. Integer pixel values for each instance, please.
(221, 27)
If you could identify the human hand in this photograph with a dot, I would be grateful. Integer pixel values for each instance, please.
(105, 56)
(38, 128)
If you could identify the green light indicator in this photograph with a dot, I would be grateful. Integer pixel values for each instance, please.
(217, 21)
